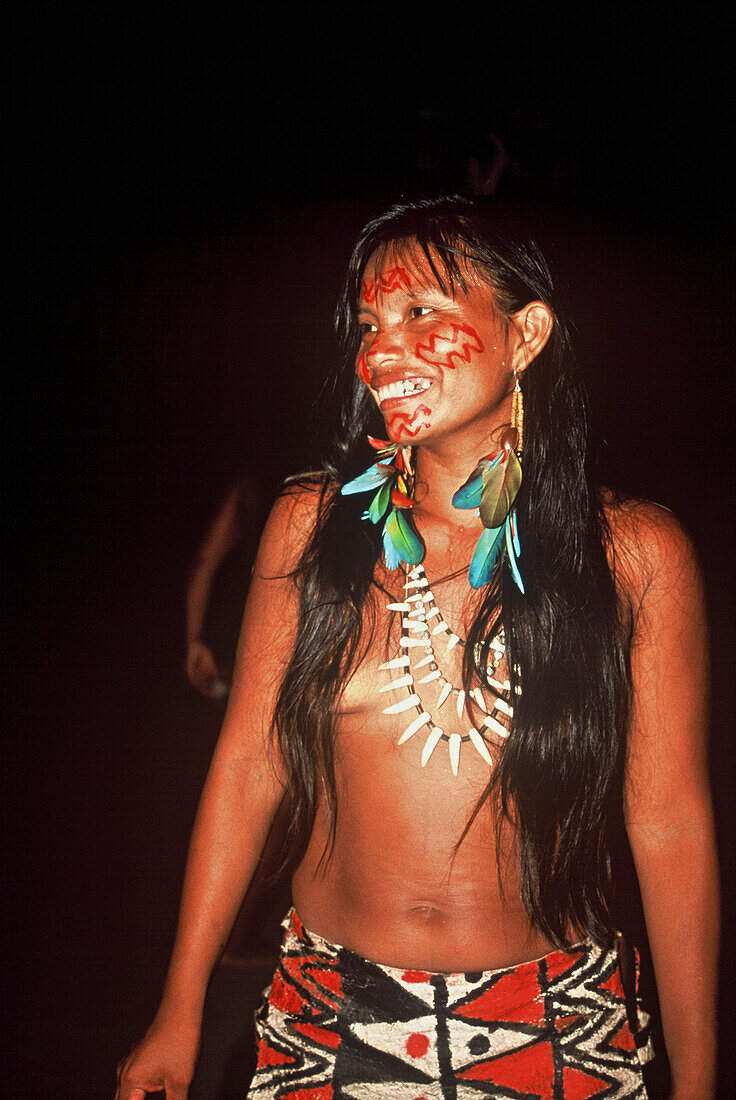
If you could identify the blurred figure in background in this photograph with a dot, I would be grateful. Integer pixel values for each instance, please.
(217, 587)
(218, 584)
(216, 592)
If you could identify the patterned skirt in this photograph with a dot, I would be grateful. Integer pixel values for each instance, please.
(336, 1025)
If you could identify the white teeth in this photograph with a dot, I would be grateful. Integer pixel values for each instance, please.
(405, 388)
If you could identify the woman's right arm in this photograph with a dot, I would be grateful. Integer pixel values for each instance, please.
(242, 792)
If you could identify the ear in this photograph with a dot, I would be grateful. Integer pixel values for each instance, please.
(533, 325)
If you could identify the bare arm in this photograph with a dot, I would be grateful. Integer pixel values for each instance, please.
(668, 804)
(216, 545)
(243, 790)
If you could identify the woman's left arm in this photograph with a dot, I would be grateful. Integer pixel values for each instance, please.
(669, 813)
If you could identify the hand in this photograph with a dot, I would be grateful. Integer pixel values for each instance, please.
(164, 1060)
(201, 667)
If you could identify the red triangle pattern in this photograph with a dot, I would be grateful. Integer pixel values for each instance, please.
(614, 985)
(530, 1069)
(323, 986)
(285, 997)
(623, 1039)
(321, 1035)
(564, 1023)
(296, 925)
(269, 1056)
(515, 997)
(328, 979)
(561, 961)
(577, 1085)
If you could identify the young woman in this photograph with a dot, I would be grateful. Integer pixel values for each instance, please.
(463, 667)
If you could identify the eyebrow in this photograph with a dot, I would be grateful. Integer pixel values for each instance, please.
(412, 295)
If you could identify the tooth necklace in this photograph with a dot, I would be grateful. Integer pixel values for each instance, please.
(418, 611)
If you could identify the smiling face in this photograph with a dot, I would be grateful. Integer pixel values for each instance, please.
(435, 364)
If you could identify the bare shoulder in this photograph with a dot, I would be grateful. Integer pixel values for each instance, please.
(292, 521)
(651, 553)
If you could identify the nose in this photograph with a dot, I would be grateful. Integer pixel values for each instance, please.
(385, 350)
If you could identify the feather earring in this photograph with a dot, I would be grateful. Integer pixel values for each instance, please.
(492, 488)
(393, 479)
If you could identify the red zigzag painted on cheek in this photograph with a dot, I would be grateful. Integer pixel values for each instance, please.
(458, 341)
(404, 422)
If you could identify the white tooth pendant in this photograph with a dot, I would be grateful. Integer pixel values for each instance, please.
(430, 677)
(478, 696)
(454, 750)
(402, 682)
(460, 703)
(405, 704)
(412, 728)
(492, 723)
(443, 694)
(431, 744)
(395, 662)
(481, 746)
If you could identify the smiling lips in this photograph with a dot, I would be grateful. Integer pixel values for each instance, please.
(404, 387)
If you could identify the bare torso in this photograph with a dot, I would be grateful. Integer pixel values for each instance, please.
(396, 889)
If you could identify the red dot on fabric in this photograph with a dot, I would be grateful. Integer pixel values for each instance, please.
(417, 1045)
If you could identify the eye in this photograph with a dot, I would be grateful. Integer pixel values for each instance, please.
(367, 328)
(415, 312)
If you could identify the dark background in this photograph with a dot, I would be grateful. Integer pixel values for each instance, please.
(182, 200)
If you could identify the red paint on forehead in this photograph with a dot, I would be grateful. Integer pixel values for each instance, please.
(385, 282)
(448, 342)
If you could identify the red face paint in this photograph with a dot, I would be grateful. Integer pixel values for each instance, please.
(402, 423)
(385, 283)
(362, 369)
(447, 343)
(413, 331)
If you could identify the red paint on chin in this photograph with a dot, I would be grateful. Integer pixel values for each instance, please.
(448, 342)
(385, 283)
(402, 423)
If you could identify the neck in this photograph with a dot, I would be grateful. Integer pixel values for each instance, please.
(450, 534)
(442, 467)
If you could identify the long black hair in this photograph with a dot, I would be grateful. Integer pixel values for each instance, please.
(559, 775)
